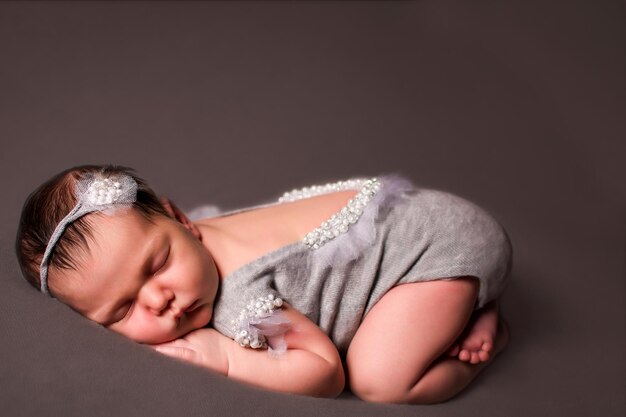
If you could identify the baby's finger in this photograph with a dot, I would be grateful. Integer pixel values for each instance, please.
(175, 342)
(179, 352)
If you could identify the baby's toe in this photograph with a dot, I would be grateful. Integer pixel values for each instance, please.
(464, 355)
(483, 356)
(474, 358)
(474, 343)
(487, 347)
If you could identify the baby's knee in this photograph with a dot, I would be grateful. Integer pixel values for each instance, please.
(383, 389)
(376, 384)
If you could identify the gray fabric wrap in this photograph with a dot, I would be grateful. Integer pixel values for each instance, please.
(420, 235)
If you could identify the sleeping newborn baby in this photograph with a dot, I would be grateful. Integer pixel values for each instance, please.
(393, 285)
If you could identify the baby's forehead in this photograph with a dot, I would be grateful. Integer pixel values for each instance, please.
(122, 225)
(125, 215)
(119, 245)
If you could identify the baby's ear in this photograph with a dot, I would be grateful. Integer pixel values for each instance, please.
(181, 217)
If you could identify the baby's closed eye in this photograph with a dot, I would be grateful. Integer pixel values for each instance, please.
(122, 313)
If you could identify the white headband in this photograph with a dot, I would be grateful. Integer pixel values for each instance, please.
(96, 192)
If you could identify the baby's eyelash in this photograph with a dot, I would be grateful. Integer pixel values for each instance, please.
(167, 257)
(126, 311)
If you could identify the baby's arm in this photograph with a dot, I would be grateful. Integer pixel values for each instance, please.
(311, 365)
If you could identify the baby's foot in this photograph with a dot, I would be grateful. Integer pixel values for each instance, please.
(476, 344)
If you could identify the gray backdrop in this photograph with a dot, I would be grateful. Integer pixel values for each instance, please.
(516, 105)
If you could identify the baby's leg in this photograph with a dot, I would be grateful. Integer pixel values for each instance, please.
(399, 352)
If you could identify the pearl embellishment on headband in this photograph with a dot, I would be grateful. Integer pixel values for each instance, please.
(103, 191)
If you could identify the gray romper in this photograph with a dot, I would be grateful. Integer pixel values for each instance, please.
(403, 234)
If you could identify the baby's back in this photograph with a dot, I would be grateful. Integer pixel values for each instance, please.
(250, 234)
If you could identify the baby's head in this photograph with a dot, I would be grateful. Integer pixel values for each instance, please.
(130, 263)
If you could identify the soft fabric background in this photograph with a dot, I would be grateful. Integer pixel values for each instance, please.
(515, 105)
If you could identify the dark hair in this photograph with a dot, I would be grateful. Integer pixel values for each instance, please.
(50, 203)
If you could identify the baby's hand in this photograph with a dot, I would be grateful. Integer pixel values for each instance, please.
(202, 347)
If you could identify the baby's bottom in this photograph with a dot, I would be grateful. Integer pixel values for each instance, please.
(418, 344)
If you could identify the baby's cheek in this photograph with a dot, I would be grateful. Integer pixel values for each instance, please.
(202, 318)
(146, 328)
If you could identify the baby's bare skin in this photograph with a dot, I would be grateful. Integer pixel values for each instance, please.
(478, 340)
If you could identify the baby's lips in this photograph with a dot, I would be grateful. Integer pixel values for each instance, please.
(193, 306)
(178, 313)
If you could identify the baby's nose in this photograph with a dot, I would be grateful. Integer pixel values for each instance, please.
(157, 299)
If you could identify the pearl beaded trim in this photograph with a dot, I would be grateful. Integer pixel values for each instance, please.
(306, 192)
(105, 191)
(348, 215)
(254, 312)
